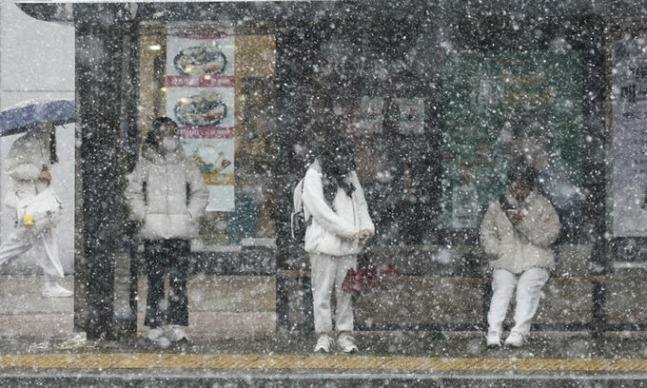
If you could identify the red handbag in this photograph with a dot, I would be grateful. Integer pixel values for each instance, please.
(383, 276)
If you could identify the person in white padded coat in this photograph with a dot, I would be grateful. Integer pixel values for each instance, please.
(29, 166)
(339, 226)
(517, 232)
(167, 196)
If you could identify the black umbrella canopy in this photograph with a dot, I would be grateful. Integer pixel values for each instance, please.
(19, 118)
(25, 115)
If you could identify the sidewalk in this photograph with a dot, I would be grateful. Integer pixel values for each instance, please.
(286, 359)
(219, 312)
(27, 316)
(38, 346)
(25, 313)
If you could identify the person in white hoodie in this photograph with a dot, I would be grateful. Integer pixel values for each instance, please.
(29, 166)
(517, 232)
(339, 226)
(167, 196)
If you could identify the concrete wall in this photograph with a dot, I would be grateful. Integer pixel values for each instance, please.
(37, 61)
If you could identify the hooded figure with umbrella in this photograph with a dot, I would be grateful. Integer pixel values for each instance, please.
(28, 164)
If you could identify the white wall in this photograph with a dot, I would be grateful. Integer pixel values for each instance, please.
(37, 61)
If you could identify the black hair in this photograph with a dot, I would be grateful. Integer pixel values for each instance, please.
(523, 172)
(153, 136)
(337, 159)
(338, 156)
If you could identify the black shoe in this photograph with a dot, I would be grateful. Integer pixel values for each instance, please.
(182, 344)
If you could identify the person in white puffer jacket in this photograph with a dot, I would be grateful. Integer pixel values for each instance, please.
(517, 232)
(167, 196)
(29, 166)
(339, 226)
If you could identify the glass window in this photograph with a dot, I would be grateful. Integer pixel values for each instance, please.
(217, 84)
(503, 106)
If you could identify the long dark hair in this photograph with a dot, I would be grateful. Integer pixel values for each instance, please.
(337, 159)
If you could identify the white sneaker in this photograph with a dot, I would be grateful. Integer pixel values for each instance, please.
(493, 339)
(156, 336)
(515, 339)
(347, 343)
(163, 342)
(323, 344)
(178, 334)
(55, 291)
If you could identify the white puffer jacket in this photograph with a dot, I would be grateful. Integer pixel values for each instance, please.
(527, 245)
(167, 194)
(329, 231)
(25, 161)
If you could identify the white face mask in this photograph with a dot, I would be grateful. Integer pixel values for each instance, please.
(170, 144)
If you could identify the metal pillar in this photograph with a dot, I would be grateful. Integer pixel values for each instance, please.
(100, 172)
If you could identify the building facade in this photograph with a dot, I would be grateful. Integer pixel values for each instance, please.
(37, 61)
(440, 98)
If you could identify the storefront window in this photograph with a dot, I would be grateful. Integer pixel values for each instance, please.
(378, 85)
(217, 84)
(500, 107)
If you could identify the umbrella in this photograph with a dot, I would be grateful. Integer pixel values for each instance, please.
(19, 118)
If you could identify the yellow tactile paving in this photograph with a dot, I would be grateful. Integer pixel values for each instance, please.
(116, 361)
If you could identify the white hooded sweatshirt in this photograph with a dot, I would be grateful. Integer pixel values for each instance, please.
(167, 194)
(27, 158)
(330, 230)
(526, 245)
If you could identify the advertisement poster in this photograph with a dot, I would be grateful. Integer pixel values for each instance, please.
(200, 94)
(629, 144)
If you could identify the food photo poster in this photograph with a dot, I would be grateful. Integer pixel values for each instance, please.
(200, 97)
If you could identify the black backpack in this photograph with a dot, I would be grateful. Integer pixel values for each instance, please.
(298, 221)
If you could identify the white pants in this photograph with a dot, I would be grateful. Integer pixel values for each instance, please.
(529, 285)
(328, 272)
(22, 239)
